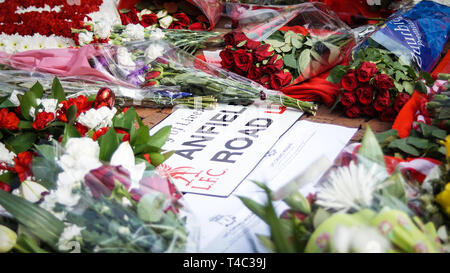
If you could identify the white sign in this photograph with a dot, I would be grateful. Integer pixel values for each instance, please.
(216, 149)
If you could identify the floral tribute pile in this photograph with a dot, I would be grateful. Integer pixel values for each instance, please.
(79, 174)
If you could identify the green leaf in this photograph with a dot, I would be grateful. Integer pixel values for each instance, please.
(25, 124)
(160, 137)
(125, 120)
(46, 171)
(439, 133)
(298, 202)
(320, 216)
(22, 142)
(7, 104)
(290, 61)
(427, 77)
(254, 207)
(27, 101)
(402, 145)
(337, 73)
(38, 221)
(151, 207)
(418, 142)
(420, 87)
(303, 60)
(47, 151)
(241, 44)
(381, 137)
(69, 131)
(108, 144)
(57, 90)
(274, 43)
(370, 149)
(286, 48)
(296, 43)
(409, 87)
(71, 114)
(394, 186)
(28, 244)
(37, 90)
(266, 242)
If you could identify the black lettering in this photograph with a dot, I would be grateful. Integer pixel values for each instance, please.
(187, 153)
(260, 122)
(223, 118)
(194, 143)
(250, 132)
(231, 143)
(210, 130)
(224, 156)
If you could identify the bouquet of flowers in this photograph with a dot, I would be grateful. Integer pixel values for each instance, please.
(79, 175)
(359, 207)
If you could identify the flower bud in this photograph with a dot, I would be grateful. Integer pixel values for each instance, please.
(8, 239)
(31, 191)
(105, 97)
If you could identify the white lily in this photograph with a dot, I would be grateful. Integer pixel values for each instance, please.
(124, 157)
(8, 239)
(31, 191)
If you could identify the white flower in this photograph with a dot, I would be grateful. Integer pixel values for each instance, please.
(8, 239)
(152, 52)
(84, 38)
(162, 13)
(348, 188)
(124, 58)
(166, 21)
(13, 97)
(70, 235)
(6, 155)
(82, 155)
(102, 29)
(144, 12)
(134, 32)
(157, 34)
(31, 191)
(124, 156)
(97, 118)
(359, 239)
(49, 105)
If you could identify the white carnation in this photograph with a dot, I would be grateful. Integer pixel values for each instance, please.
(162, 13)
(97, 118)
(134, 32)
(69, 237)
(157, 34)
(152, 52)
(102, 29)
(166, 21)
(48, 104)
(6, 155)
(85, 38)
(124, 58)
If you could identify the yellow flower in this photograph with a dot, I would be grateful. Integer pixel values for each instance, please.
(446, 143)
(443, 199)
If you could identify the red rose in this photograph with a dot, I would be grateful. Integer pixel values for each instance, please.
(126, 136)
(197, 26)
(262, 52)
(383, 82)
(348, 82)
(226, 56)
(274, 65)
(125, 18)
(353, 111)
(100, 132)
(8, 120)
(365, 94)
(158, 184)
(366, 71)
(102, 180)
(382, 101)
(255, 73)
(280, 79)
(23, 165)
(174, 25)
(368, 110)
(4, 187)
(242, 59)
(348, 99)
(388, 115)
(401, 100)
(149, 19)
(81, 128)
(181, 19)
(152, 75)
(252, 45)
(42, 119)
(234, 38)
(265, 81)
(105, 97)
(134, 16)
(150, 83)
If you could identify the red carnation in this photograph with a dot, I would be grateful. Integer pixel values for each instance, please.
(100, 132)
(349, 82)
(365, 94)
(4, 187)
(42, 119)
(383, 82)
(182, 19)
(280, 79)
(353, 112)
(382, 101)
(23, 165)
(234, 38)
(366, 71)
(401, 100)
(81, 128)
(242, 59)
(126, 136)
(262, 52)
(8, 120)
(197, 26)
(227, 58)
(348, 99)
(149, 19)
(388, 115)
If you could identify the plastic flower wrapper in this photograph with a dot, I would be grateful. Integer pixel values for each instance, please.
(309, 37)
(157, 64)
(117, 205)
